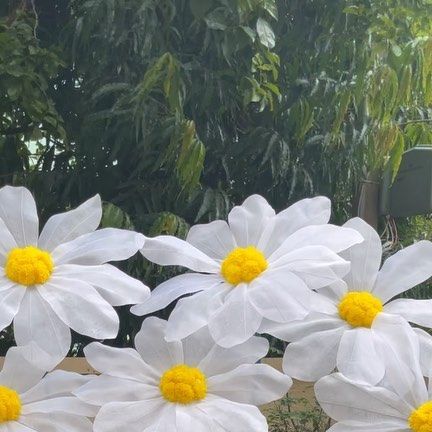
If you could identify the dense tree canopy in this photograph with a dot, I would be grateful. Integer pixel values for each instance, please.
(173, 110)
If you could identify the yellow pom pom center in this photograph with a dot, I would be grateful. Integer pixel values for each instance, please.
(243, 265)
(10, 405)
(420, 419)
(29, 265)
(359, 308)
(183, 384)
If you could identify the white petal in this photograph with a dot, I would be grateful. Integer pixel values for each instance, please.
(425, 343)
(191, 418)
(37, 322)
(214, 239)
(64, 227)
(193, 312)
(168, 250)
(105, 389)
(7, 243)
(56, 421)
(116, 287)
(140, 416)
(358, 357)
(220, 360)
(232, 416)
(14, 426)
(415, 311)
(173, 288)
(280, 296)
(236, 320)
(404, 270)
(250, 384)
(70, 404)
(10, 302)
(345, 400)
(296, 330)
(99, 247)
(119, 362)
(80, 306)
(309, 211)
(19, 213)
(19, 373)
(248, 221)
(318, 266)
(389, 426)
(332, 237)
(314, 356)
(154, 349)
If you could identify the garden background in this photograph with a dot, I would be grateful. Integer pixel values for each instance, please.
(175, 110)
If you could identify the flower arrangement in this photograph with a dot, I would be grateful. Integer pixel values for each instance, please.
(292, 275)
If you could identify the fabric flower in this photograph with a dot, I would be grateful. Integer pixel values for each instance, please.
(30, 401)
(259, 264)
(59, 279)
(343, 330)
(400, 403)
(181, 386)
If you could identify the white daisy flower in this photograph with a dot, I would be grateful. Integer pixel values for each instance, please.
(60, 279)
(343, 330)
(30, 401)
(400, 403)
(181, 386)
(272, 260)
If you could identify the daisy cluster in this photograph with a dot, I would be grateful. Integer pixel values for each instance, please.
(319, 287)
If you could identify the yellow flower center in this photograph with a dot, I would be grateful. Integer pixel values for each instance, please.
(183, 384)
(243, 265)
(29, 265)
(420, 419)
(10, 405)
(359, 308)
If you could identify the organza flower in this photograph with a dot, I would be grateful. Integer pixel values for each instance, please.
(400, 403)
(343, 329)
(259, 264)
(59, 279)
(30, 401)
(181, 386)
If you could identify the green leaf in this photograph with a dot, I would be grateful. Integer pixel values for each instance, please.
(216, 20)
(265, 33)
(200, 7)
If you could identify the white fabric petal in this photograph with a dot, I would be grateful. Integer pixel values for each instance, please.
(7, 243)
(214, 239)
(37, 322)
(232, 416)
(105, 389)
(425, 344)
(56, 422)
(309, 211)
(115, 286)
(10, 303)
(70, 404)
(389, 426)
(147, 415)
(119, 362)
(221, 360)
(333, 237)
(365, 257)
(64, 227)
(18, 372)
(236, 320)
(192, 313)
(173, 288)
(14, 426)
(314, 356)
(345, 400)
(80, 306)
(191, 418)
(99, 247)
(250, 384)
(415, 311)
(358, 357)
(280, 296)
(154, 349)
(404, 270)
(19, 213)
(169, 250)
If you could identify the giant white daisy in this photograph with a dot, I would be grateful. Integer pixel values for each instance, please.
(259, 264)
(181, 386)
(343, 330)
(32, 402)
(60, 279)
